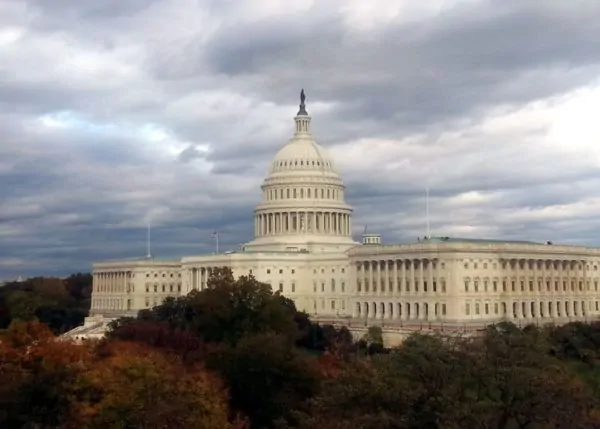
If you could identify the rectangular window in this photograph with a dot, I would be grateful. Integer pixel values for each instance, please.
(424, 286)
(466, 286)
(495, 285)
(468, 309)
(503, 285)
(343, 287)
(476, 284)
(435, 286)
(280, 287)
(333, 305)
(293, 287)
(443, 309)
(496, 308)
(444, 287)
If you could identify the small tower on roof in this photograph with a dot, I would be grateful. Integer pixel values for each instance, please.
(302, 119)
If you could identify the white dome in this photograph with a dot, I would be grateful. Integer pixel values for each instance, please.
(302, 154)
(303, 203)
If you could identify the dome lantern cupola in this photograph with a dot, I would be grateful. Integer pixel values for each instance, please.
(302, 119)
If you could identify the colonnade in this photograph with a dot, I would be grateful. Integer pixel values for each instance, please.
(110, 282)
(298, 222)
(401, 310)
(106, 283)
(400, 275)
(197, 278)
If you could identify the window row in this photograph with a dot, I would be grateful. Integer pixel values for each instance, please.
(524, 309)
(302, 163)
(171, 275)
(414, 286)
(332, 286)
(163, 288)
(530, 285)
(400, 310)
(334, 305)
(295, 193)
(406, 264)
(293, 271)
(533, 265)
(292, 287)
(111, 304)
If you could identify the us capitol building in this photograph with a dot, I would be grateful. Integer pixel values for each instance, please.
(303, 247)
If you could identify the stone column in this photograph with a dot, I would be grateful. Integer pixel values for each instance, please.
(431, 263)
(370, 276)
(395, 274)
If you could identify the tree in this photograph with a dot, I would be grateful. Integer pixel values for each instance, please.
(229, 310)
(59, 384)
(268, 378)
(23, 305)
(159, 335)
(40, 377)
(141, 388)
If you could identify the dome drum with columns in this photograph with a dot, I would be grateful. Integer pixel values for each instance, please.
(303, 248)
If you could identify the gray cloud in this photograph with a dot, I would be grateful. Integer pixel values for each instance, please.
(113, 113)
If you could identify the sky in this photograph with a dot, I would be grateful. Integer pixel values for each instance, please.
(114, 114)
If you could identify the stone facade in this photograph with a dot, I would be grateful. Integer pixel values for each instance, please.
(456, 281)
(303, 247)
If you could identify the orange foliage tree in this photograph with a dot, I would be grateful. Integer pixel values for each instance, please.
(49, 383)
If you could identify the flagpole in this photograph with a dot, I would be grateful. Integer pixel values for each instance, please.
(427, 212)
(217, 240)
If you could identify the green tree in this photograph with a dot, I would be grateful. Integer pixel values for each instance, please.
(229, 310)
(268, 378)
(23, 305)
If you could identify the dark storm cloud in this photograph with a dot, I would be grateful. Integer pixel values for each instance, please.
(221, 80)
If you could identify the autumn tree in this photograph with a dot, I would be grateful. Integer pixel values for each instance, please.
(136, 387)
(40, 377)
(162, 336)
(58, 384)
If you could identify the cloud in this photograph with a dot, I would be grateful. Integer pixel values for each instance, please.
(113, 114)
